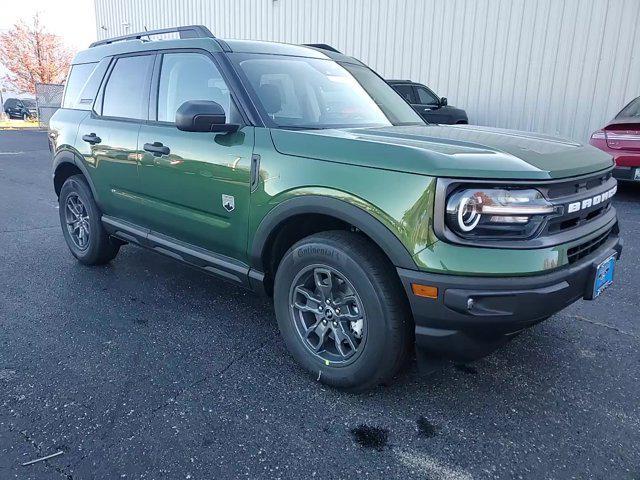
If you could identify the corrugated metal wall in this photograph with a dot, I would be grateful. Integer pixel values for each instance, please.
(561, 67)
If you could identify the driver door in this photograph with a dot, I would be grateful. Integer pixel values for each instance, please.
(195, 185)
(428, 105)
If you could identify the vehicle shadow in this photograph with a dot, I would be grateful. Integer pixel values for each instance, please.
(629, 191)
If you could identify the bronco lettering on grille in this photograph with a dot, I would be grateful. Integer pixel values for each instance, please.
(593, 201)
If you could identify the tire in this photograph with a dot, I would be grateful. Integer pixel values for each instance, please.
(93, 246)
(25, 117)
(367, 286)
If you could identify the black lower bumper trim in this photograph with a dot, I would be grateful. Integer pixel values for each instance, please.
(625, 173)
(486, 309)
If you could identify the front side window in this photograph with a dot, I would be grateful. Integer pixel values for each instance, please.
(425, 97)
(191, 76)
(300, 92)
(125, 92)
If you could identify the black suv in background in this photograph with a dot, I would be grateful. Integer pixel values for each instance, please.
(24, 108)
(428, 105)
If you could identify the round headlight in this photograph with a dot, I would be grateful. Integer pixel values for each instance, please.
(468, 215)
(496, 213)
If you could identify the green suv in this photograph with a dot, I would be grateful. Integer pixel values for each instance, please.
(297, 172)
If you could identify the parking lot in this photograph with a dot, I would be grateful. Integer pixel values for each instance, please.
(145, 368)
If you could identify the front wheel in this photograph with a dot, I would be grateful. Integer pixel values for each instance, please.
(342, 311)
(81, 223)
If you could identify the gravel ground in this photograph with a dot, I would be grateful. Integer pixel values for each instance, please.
(145, 368)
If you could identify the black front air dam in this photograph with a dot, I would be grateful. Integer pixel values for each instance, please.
(474, 315)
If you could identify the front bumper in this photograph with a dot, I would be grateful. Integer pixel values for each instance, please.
(473, 315)
(626, 173)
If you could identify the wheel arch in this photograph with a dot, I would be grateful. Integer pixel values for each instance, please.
(65, 164)
(329, 208)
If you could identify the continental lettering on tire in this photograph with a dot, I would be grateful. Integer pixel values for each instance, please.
(312, 250)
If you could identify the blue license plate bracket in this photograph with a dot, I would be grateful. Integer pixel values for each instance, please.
(603, 276)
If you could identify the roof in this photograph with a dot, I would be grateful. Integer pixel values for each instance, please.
(197, 36)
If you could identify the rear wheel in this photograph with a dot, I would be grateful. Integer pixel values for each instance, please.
(342, 311)
(81, 223)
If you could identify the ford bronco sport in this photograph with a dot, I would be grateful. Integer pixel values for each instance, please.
(298, 172)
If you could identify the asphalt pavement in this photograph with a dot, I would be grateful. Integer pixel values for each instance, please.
(145, 368)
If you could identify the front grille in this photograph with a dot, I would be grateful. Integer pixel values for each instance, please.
(567, 222)
(564, 193)
(580, 251)
(574, 186)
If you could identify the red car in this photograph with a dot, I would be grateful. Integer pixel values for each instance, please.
(621, 138)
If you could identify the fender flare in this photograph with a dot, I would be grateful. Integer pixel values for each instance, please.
(73, 158)
(347, 212)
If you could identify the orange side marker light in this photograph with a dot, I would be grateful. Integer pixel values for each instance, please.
(426, 291)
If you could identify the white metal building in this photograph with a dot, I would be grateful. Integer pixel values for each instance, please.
(561, 67)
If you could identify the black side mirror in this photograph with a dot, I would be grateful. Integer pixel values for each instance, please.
(203, 116)
(443, 102)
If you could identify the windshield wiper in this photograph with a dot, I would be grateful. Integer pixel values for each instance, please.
(300, 127)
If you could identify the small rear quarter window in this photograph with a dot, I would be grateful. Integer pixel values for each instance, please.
(76, 82)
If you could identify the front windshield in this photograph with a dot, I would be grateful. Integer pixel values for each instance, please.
(300, 92)
(29, 103)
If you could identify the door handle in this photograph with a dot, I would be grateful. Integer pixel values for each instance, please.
(92, 138)
(157, 149)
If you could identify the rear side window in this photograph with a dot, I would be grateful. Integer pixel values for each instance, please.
(631, 110)
(76, 81)
(125, 92)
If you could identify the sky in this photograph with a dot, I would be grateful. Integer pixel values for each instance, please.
(73, 20)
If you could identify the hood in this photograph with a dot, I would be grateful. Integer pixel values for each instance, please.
(460, 151)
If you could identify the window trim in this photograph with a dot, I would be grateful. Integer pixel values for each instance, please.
(227, 77)
(105, 80)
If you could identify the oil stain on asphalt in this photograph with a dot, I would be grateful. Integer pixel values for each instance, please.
(371, 437)
(426, 429)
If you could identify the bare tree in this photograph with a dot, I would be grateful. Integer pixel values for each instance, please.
(32, 55)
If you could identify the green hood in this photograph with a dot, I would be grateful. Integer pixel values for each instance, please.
(461, 151)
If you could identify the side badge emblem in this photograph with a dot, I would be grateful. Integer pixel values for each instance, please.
(228, 202)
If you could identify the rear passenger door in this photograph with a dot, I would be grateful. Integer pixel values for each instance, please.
(197, 188)
(108, 137)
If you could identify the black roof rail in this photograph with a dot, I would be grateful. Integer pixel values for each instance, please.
(321, 46)
(189, 31)
(398, 80)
